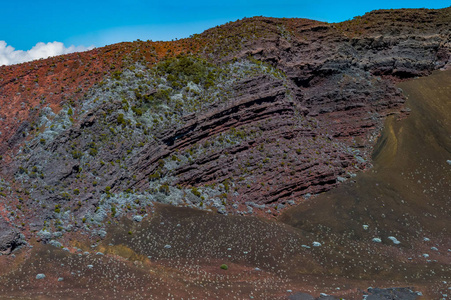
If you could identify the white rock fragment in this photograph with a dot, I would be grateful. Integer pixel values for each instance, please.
(365, 227)
(40, 276)
(341, 179)
(426, 239)
(377, 240)
(316, 244)
(167, 246)
(137, 218)
(394, 240)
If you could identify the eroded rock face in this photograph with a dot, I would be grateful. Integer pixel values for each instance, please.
(283, 109)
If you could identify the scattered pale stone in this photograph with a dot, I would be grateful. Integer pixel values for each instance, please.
(365, 227)
(316, 244)
(56, 244)
(394, 240)
(341, 179)
(137, 218)
(377, 240)
(40, 276)
(167, 246)
(426, 239)
(60, 279)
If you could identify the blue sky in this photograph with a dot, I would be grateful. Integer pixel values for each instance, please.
(98, 23)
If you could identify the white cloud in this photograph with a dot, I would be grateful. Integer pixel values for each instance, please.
(10, 56)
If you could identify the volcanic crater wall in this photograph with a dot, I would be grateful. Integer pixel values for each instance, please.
(276, 110)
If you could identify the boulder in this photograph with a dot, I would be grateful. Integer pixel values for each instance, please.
(10, 237)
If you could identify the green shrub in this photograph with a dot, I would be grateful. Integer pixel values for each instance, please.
(93, 151)
(224, 267)
(121, 120)
(164, 188)
(195, 192)
(116, 75)
(154, 176)
(138, 111)
(76, 154)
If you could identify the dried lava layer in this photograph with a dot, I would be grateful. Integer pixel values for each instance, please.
(244, 118)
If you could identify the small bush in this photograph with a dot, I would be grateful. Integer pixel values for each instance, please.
(195, 192)
(164, 188)
(224, 267)
(154, 176)
(93, 151)
(121, 120)
(76, 154)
